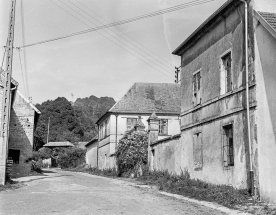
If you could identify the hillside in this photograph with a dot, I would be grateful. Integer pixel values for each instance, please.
(72, 122)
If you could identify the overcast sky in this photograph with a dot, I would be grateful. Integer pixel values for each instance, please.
(103, 63)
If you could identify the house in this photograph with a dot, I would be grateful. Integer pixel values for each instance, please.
(23, 121)
(64, 144)
(140, 101)
(223, 139)
(92, 152)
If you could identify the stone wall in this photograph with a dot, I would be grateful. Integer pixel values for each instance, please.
(21, 134)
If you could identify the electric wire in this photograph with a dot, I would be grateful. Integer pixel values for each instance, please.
(153, 55)
(141, 55)
(117, 44)
(22, 72)
(153, 14)
(25, 71)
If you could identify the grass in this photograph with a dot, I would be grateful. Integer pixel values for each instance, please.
(10, 185)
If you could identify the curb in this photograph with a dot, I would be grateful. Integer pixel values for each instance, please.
(206, 204)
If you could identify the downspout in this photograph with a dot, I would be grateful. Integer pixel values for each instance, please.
(116, 134)
(98, 146)
(247, 100)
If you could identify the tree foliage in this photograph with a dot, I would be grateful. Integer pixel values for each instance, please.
(71, 157)
(70, 122)
(132, 151)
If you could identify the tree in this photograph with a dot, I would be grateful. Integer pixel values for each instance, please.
(132, 151)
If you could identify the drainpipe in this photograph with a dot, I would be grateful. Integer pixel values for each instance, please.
(247, 100)
(98, 146)
(116, 129)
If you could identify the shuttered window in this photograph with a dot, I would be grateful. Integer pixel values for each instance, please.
(197, 88)
(198, 151)
(226, 73)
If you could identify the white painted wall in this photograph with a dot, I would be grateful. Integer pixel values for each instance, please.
(173, 128)
(265, 5)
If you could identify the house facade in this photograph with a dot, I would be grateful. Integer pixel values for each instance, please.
(91, 156)
(140, 101)
(215, 144)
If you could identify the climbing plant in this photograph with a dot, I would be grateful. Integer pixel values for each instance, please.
(131, 152)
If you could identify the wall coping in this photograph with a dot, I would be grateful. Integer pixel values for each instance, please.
(166, 139)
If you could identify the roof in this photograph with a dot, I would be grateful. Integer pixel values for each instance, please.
(93, 140)
(58, 144)
(208, 22)
(27, 101)
(150, 97)
(268, 20)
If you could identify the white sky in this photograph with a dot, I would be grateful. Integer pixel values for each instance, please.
(91, 64)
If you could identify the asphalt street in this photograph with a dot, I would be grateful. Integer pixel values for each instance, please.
(60, 192)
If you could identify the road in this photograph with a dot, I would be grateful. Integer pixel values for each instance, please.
(68, 193)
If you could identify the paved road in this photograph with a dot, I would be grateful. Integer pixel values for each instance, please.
(78, 193)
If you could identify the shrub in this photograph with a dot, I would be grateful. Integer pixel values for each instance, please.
(43, 153)
(132, 152)
(71, 157)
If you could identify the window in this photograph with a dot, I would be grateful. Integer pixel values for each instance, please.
(131, 122)
(228, 145)
(105, 128)
(226, 73)
(198, 151)
(14, 155)
(197, 88)
(163, 127)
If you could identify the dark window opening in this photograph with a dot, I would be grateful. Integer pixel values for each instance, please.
(14, 155)
(228, 145)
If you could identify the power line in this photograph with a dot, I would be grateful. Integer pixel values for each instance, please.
(163, 61)
(116, 43)
(25, 72)
(120, 41)
(153, 14)
(22, 72)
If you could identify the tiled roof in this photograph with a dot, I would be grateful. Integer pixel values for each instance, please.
(58, 144)
(270, 18)
(149, 97)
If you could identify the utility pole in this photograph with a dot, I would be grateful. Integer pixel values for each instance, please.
(177, 70)
(6, 101)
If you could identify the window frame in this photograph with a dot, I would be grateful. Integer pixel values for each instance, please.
(163, 130)
(228, 147)
(128, 128)
(224, 83)
(197, 91)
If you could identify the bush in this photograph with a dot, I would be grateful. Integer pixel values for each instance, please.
(43, 153)
(132, 152)
(71, 157)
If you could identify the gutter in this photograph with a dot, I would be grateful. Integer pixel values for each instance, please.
(252, 185)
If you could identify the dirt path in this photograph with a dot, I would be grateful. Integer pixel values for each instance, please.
(75, 193)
